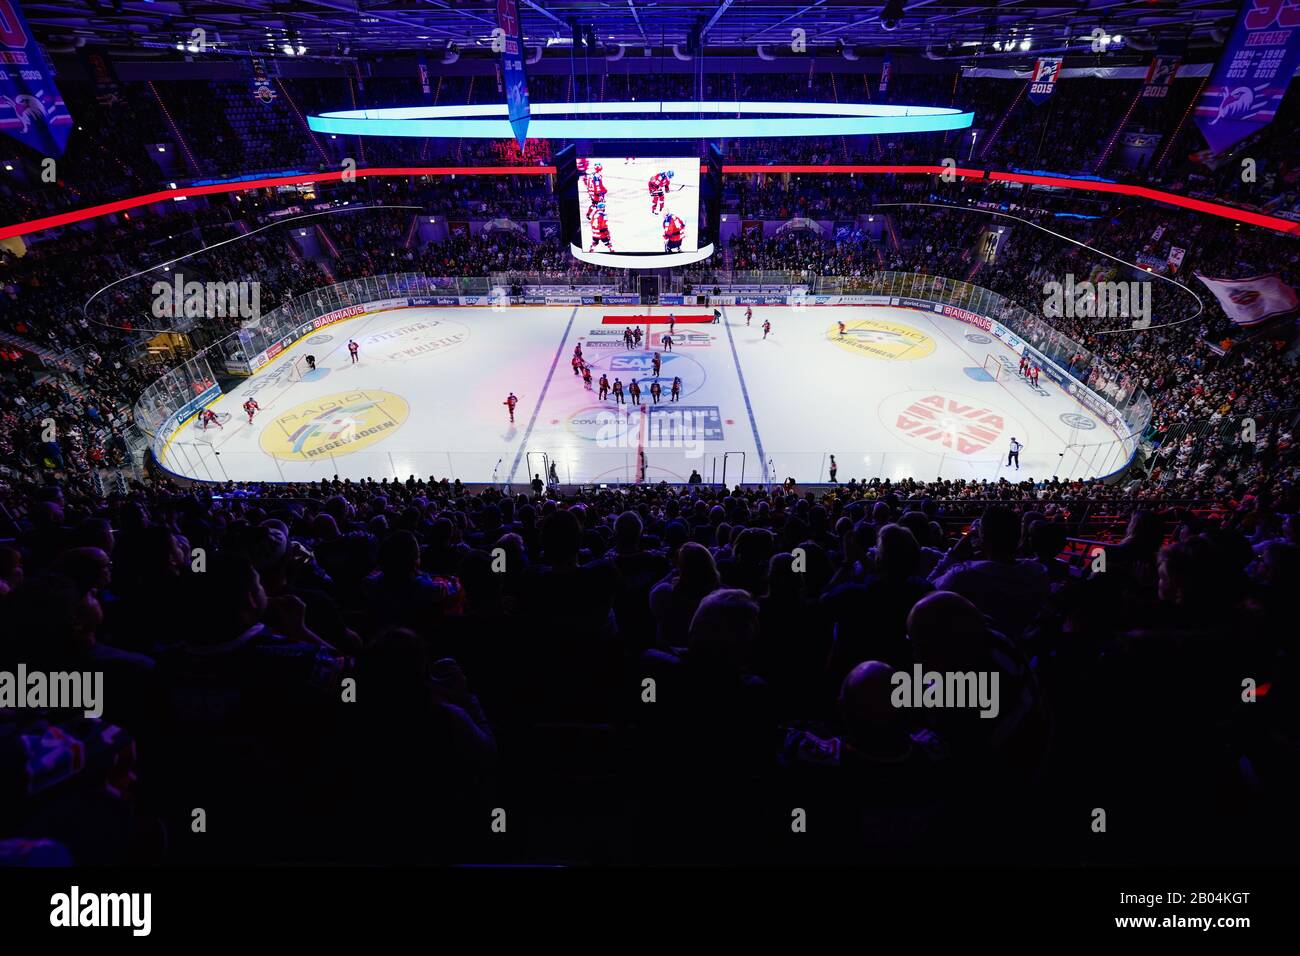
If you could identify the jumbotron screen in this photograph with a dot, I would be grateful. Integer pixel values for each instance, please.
(639, 204)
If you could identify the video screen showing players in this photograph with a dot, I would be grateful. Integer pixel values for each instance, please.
(635, 204)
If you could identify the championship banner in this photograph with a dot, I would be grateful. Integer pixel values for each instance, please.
(1164, 67)
(1252, 301)
(262, 89)
(512, 65)
(31, 109)
(886, 69)
(1251, 78)
(1175, 258)
(1043, 83)
(101, 74)
(423, 67)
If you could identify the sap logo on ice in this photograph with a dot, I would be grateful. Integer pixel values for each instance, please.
(75, 909)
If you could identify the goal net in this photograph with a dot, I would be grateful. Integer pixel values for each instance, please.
(298, 368)
(993, 367)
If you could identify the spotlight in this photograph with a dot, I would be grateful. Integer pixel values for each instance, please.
(891, 14)
(1025, 44)
(288, 49)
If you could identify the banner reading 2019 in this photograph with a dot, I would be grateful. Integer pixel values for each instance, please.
(1252, 76)
(31, 109)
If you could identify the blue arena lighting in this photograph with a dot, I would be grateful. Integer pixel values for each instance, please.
(489, 121)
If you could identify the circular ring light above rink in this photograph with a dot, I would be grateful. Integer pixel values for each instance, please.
(680, 120)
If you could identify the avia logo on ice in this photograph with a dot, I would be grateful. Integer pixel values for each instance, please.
(952, 424)
(206, 300)
(1098, 300)
(77, 909)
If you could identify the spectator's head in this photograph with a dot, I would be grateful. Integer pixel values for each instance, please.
(948, 633)
(627, 532)
(865, 705)
(399, 555)
(561, 538)
(696, 572)
(723, 630)
(999, 533)
(897, 553)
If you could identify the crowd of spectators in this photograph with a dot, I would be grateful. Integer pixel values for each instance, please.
(347, 673)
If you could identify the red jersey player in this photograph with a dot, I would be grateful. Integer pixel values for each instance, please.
(749, 314)
(659, 184)
(674, 233)
(767, 327)
(510, 403)
(353, 348)
(209, 417)
(595, 191)
(251, 408)
(600, 229)
(677, 389)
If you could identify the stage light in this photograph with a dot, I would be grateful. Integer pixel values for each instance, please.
(891, 14)
(288, 49)
(1025, 44)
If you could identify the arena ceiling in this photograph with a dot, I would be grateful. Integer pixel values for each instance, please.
(963, 29)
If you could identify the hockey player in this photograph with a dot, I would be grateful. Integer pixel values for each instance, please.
(627, 338)
(677, 389)
(841, 328)
(577, 351)
(659, 184)
(668, 343)
(749, 313)
(510, 403)
(586, 376)
(1033, 375)
(674, 233)
(577, 364)
(596, 192)
(835, 470)
(311, 363)
(634, 390)
(353, 349)
(251, 408)
(600, 229)
(656, 363)
(636, 336)
(672, 323)
(618, 392)
(655, 392)
(604, 387)
(767, 327)
(209, 417)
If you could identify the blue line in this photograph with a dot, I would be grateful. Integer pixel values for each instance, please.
(749, 409)
(537, 409)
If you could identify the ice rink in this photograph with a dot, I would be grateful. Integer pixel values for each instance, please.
(901, 393)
